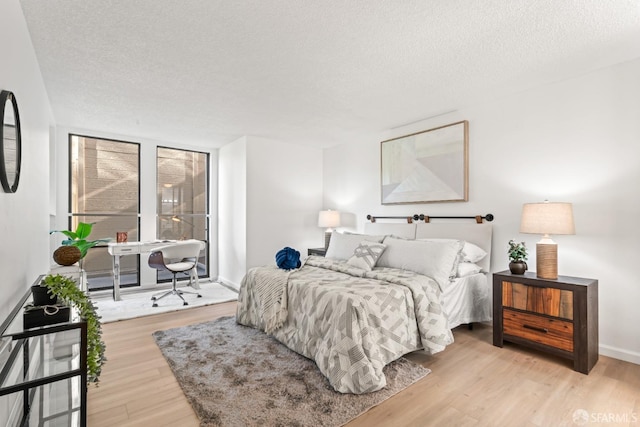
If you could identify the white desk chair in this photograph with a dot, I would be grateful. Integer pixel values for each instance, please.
(179, 257)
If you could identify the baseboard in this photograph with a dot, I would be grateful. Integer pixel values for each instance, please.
(228, 283)
(618, 353)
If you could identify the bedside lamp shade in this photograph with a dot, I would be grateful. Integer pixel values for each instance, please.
(547, 218)
(329, 220)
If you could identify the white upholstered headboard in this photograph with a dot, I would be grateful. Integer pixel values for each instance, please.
(406, 231)
(478, 234)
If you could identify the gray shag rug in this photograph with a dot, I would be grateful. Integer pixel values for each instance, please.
(238, 376)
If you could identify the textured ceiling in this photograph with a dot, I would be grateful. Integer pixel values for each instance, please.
(323, 72)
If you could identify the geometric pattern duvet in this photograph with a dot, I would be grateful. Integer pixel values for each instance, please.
(353, 322)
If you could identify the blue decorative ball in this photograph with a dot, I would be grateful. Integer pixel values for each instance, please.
(288, 258)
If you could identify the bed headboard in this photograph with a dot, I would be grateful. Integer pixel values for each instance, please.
(406, 231)
(477, 233)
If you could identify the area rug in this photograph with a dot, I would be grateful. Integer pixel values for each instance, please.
(138, 304)
(238, 376)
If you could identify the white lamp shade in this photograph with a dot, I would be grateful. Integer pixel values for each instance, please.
(547, 218)
(329, 219)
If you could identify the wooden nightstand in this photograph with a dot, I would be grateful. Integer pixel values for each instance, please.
(316, 251)
(556, 316)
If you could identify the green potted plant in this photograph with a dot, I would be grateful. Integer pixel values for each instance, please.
(517, 257)
(66, 290)
(76, 246)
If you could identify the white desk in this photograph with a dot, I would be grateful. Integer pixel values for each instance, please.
(134, 248)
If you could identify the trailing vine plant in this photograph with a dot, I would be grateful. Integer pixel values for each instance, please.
(67, 290)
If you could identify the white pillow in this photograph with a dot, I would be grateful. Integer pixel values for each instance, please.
(437, 259)
(341, 246)
(366, 255)
(467, 269)
(470, 252)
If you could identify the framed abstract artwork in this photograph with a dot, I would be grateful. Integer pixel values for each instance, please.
(426, 167)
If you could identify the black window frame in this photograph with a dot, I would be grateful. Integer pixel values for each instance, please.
(71, 214)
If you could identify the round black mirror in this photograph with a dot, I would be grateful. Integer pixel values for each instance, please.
(10, 142)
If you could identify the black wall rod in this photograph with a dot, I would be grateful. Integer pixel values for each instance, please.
(427, 218)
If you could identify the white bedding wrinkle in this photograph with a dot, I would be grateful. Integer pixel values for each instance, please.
(467, 269)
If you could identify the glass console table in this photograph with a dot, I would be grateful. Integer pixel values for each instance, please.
(43, 371)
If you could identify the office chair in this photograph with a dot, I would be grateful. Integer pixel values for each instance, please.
(179, 257)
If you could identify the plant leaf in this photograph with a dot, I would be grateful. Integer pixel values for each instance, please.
(85, 245)
(83, 230)
(70, 234)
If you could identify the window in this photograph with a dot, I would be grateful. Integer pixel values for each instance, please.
(183, 200)
(105, 190)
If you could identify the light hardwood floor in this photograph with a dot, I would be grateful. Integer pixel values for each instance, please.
(472, 383)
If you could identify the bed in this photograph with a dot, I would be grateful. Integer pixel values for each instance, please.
(373, 298)
(467, 297)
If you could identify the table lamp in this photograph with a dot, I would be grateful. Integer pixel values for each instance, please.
(547, 218)
(328, 219)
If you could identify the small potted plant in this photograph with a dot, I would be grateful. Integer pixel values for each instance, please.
(75, 247)
(517, 257)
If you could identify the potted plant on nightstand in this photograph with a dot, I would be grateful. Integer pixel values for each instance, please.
(66, 290)
(517, 257)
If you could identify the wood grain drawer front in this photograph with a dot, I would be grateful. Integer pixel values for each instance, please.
(549, 301)
(556, 333)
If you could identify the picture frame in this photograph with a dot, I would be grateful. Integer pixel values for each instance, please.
(426, 167)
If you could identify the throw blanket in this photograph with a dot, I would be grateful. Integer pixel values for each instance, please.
(352, 322)
(270, 290)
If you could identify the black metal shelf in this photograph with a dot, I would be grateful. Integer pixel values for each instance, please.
(44, 364)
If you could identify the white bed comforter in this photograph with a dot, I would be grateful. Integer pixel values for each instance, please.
(352, 322)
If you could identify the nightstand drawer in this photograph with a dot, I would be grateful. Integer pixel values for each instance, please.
(538, 299)
(552, 332)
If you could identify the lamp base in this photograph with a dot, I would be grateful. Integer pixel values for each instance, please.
(547, 260)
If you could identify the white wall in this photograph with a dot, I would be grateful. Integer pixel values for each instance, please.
(284, 196)
(270, 195)
(148, 191)
(24, 215)
(575, 141)
(232, 212)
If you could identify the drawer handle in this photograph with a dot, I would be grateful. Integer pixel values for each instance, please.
(535, 328)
